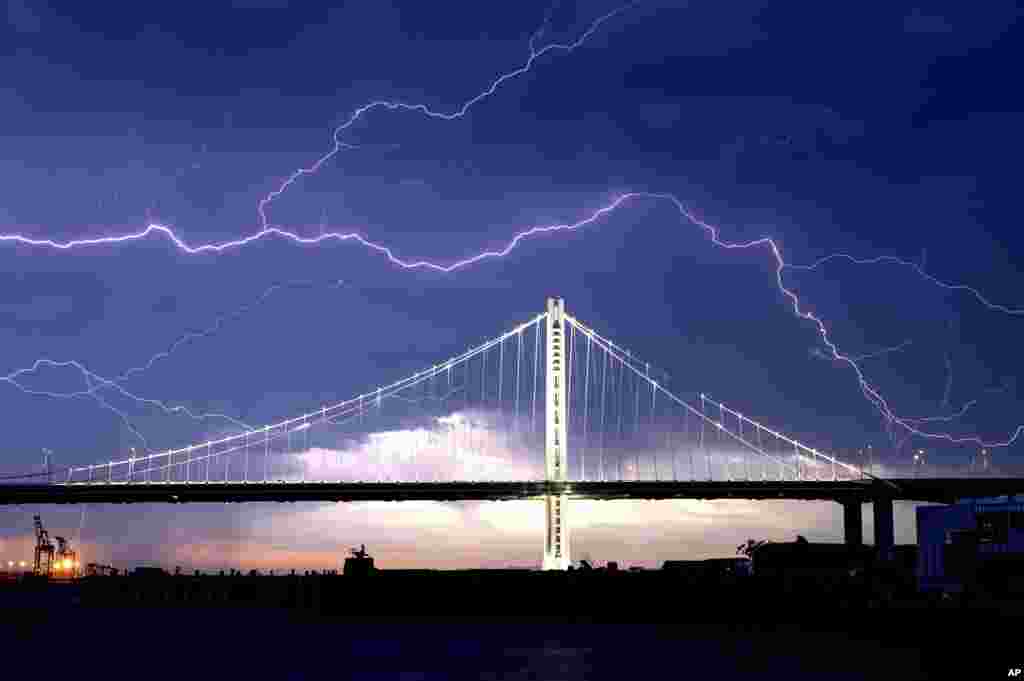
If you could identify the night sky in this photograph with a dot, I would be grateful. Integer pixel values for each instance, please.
(888, 130)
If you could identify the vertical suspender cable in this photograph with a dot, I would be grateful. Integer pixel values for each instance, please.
(689, 445)
(621, 391)
(636, 426)
(763, 449)
(483, 381)
(586, 409)
(604, 375)
(536, 372)
(501, 373)
(719, 436)
(654, 393)
(519, 361)
(266, 451)
(703, 420)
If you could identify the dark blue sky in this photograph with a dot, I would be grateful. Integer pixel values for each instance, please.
(888, 130)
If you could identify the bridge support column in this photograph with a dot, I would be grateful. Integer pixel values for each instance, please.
(884, 532)
(853, 523)
(556, 541)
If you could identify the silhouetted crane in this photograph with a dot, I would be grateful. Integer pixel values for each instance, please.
(43, 564)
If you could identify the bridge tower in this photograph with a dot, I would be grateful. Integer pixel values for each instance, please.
(556, 543)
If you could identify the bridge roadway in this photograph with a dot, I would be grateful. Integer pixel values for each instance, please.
(847, 492)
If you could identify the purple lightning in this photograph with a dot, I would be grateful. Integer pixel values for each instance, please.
(904, 262)
(535, 54)
(95, 382)
(817, 352)
(870, 392)
(266, 229)
(951, 417)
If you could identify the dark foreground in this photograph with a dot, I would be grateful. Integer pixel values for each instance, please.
(499, 626)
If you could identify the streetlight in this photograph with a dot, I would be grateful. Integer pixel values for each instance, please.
(918, 460)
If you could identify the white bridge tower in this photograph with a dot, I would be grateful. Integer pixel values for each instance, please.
(556, 542)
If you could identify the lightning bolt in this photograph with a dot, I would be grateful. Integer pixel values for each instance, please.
(951, 417)
(216, 327)
(95, 382)
(817, 352)
(870, 392)
(883, 351)
(106, 405)
(391, 105)
(905, 262)
(267, 229)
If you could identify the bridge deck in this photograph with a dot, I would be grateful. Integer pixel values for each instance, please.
(942, 490)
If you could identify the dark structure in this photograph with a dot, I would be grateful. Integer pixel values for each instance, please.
(60, 563)
(149, 572)
(802, 559)
(97, 570)
(868, 490)
(65, 564)
(976, 545)
(359, 563)
(714, 569)
(43, 563)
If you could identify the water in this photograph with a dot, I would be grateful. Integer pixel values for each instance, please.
(189, 643)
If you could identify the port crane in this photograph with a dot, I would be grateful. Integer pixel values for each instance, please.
(61, 561)
(43, 563)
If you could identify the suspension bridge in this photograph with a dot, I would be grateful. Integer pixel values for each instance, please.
(500, 421)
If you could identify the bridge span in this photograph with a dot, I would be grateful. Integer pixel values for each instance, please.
(936, 490)
(500, 421)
